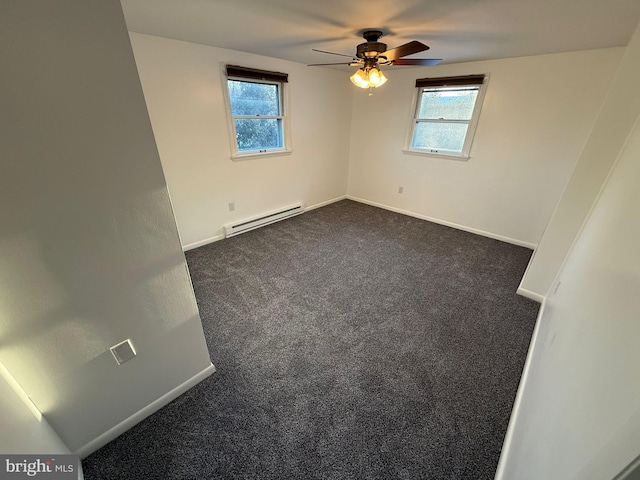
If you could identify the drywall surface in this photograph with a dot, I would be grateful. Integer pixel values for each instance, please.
(89, 247)
(579, 417)
(614, 122)
(24, 430)
(535, 120)
(183, 84)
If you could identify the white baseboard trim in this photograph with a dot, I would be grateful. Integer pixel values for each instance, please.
(529, 294)
(140, 415)
(484, 233)
(324, 204)
(216, 238)
(515, 411)
(201, 243)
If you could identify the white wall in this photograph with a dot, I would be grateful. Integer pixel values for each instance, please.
(536, 117)
(576, 415)
(89, 248)
(183, 83)
(579, 410)
(24, 429)
(614, 122)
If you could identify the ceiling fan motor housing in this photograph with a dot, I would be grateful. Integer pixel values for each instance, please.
(370, 49)
(373, 53)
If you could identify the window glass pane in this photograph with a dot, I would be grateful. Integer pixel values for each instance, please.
(258, 134)
(452, 104)
(249, 98)
(448, 137)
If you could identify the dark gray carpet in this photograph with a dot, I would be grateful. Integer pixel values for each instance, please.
(350, 343)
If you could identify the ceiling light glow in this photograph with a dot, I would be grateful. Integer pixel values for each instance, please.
(368, 78)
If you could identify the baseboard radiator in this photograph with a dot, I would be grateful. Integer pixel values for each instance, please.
(264, 219)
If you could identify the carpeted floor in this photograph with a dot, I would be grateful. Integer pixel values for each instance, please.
(351, 343)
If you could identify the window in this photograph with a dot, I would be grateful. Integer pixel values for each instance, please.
(445, 115)
(257, 112)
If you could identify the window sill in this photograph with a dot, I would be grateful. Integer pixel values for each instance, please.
(268, 153)
(449, 156)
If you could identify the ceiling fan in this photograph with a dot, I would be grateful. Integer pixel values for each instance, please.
(372, 53)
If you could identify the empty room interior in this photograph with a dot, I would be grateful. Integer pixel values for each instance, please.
(280, 239)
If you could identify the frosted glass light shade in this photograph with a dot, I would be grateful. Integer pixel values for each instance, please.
(360, 79)
(376, 77)
(371, 78)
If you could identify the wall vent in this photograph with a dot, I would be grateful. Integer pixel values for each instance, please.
(264, 219)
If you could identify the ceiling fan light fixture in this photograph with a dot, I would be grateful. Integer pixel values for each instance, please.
(368, 78)
(376, 77)
(360, 79)
(371, 54)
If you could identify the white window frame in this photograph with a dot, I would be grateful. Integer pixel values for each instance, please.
(471, 129)
(283, 98)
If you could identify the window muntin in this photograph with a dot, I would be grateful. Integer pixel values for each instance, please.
(445, 115)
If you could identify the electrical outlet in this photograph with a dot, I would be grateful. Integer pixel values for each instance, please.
(400, 189)
(232, 206)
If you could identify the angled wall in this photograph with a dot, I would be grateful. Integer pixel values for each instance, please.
(89, 248)
(614, 122)
(578, 415)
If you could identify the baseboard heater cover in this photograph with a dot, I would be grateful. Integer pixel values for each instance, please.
(262, 220)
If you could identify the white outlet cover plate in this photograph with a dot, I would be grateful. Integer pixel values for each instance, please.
(123, 352)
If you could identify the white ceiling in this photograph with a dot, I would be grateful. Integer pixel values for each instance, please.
(456, 30)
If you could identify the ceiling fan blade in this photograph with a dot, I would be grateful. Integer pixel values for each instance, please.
(404, 50)
(321, 64)
(332, 53)
(417, 61)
